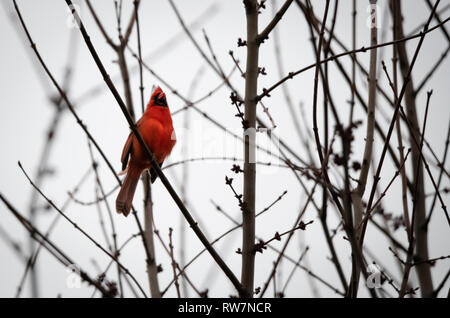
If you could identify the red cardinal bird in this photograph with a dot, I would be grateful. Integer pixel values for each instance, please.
(156, 129)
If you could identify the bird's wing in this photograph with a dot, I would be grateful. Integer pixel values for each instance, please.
(126, 151)
(128, 148)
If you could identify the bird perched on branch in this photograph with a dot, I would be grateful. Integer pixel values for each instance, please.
(155, 127)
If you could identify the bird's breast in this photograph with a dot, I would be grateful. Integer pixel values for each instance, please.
(159, 137)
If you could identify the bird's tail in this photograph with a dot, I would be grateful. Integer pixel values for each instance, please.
(125, 197)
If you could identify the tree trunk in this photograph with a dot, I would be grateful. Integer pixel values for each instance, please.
(420, 230)
(152, 268)
(248, 208)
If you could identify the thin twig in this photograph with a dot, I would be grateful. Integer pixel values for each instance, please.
(174, 264)
(264, 35)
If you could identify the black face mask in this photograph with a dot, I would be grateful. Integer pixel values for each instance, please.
(160, 101)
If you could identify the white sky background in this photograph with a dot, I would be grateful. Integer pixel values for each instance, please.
(25, 114)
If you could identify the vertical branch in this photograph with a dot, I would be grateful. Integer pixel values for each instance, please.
(138, 34)
(152, 268)
(251, 83)
(316, 83)
(399, 131)
(352, 99)
(411, 238)
(370, 118)
(358, 194)
(118, 7)
(421, 235)
(126, 79)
